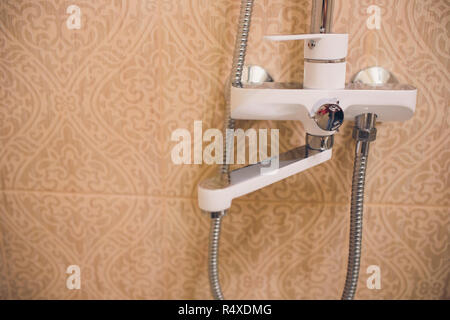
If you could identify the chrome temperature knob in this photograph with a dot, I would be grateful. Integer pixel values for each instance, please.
(329, 117)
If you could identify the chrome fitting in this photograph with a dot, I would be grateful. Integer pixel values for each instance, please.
(320, 143)
(366, 135)
(364, 132)
(322, 16)
(364, 129)
(329, 117)
(218, 214)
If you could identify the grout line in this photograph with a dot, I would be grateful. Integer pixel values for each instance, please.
(310, 204)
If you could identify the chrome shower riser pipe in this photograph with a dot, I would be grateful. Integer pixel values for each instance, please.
(322, 16)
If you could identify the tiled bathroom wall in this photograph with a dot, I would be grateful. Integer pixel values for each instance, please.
(86, 177)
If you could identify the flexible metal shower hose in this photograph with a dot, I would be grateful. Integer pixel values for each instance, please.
(236, 75)
(216, 222)
(356, 220)
(240, 49)
(364, 132)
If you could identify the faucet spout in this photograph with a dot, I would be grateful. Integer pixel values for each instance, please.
(214, 195)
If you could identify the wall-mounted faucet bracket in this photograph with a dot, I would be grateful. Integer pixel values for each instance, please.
(324, 82)
(290, 101)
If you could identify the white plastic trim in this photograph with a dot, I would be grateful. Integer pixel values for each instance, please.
(249, 179)
(328, 46)
(298, 104)
(324, 75)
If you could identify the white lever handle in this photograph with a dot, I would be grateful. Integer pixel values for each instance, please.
(328, 46)
(288, 37)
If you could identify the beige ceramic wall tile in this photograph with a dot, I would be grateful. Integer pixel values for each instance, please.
(279, 250)
(81, 106)
(268, 251)
(116, 241)
(410, 245)
(186, 249)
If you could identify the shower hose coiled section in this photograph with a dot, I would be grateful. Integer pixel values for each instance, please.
(216, 222)
(356, 219)
(236, 75)
(364, 132)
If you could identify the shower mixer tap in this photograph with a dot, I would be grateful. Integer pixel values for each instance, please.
(321, 111)
(322, 102)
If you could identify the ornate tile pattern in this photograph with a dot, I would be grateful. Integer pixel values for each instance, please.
(86, 176)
